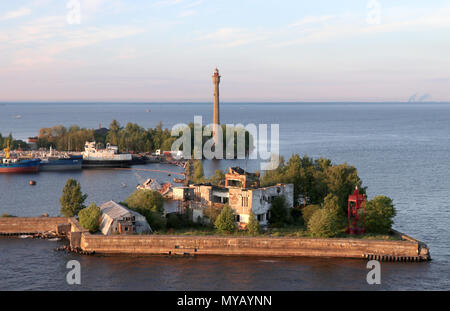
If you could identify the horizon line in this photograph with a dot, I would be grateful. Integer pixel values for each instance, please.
(222, 102)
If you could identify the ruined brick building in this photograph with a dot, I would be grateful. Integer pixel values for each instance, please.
(242, 192)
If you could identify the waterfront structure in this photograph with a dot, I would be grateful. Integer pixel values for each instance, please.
(32, 142)
(242, 192)
(62, 162)
(236, 176)
(109, 157)
(216, 112)
(356, 204)
(117, 219)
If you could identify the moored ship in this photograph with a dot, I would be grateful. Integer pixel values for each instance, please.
(104, 158)
(9, 165)
(65, 163)
(60, 162)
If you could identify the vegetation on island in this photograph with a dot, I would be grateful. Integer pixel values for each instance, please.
(329, 220)
(72, 199)
(279, 212)
(130, 138)
(321, 191)
(13, 144)
(225, 222)
(380, 212)
(149, 204)
(253, 227)
(90, 218)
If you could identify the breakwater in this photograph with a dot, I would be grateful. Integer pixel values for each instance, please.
(407, 249)
(29, 225)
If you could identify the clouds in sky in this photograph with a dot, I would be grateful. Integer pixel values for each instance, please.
(20, 12)
(301, 52)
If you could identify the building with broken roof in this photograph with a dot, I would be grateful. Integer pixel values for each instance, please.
(117, 219)
(241, 192)
(238, 177)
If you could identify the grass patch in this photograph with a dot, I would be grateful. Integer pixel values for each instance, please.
(288, 231)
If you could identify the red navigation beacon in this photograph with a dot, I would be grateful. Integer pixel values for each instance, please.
(356, 202)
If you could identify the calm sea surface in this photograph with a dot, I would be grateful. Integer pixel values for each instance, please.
(400, 150)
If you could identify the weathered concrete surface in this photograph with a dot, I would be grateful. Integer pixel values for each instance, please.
(20, 225)
(408, 249)
(249, 246)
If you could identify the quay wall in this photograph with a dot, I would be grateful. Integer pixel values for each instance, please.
(253, 246)
(407, 249)
(26, 225)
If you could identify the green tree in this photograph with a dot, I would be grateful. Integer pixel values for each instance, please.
(380, 212)
(188, 172)
(156, 220)
(341, 181)
(279, 214)
(327, 221)
(308, 211)
(90, 218)
(114, 133)
(199, 176)
(253, 225)
(174, 221)
(149, 204)
(146, 199)
(211, 213)
(225, 221)
(72, 199)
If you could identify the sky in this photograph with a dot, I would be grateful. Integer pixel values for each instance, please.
(266, 50)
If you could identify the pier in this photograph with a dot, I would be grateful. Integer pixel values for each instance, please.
(406, 250)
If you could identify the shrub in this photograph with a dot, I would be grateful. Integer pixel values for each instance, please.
(174, 221)
(156, 220)
(380, 212)
(253, 225)
(225, 221)
(90, 218)
(327, 221)
(212, 213)
(296, 216)
(199, 176)
(308, 211)
(72, 199)
(323, 224)
(146, 199)
(279, 214)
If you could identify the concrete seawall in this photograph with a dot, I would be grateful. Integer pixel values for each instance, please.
(407, 249)
(28, 225)
(254, 246)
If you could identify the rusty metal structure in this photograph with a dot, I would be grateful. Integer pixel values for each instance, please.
(356, 213)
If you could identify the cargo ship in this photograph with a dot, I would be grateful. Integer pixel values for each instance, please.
(63, 163)
(9, 165)
(104, 158)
